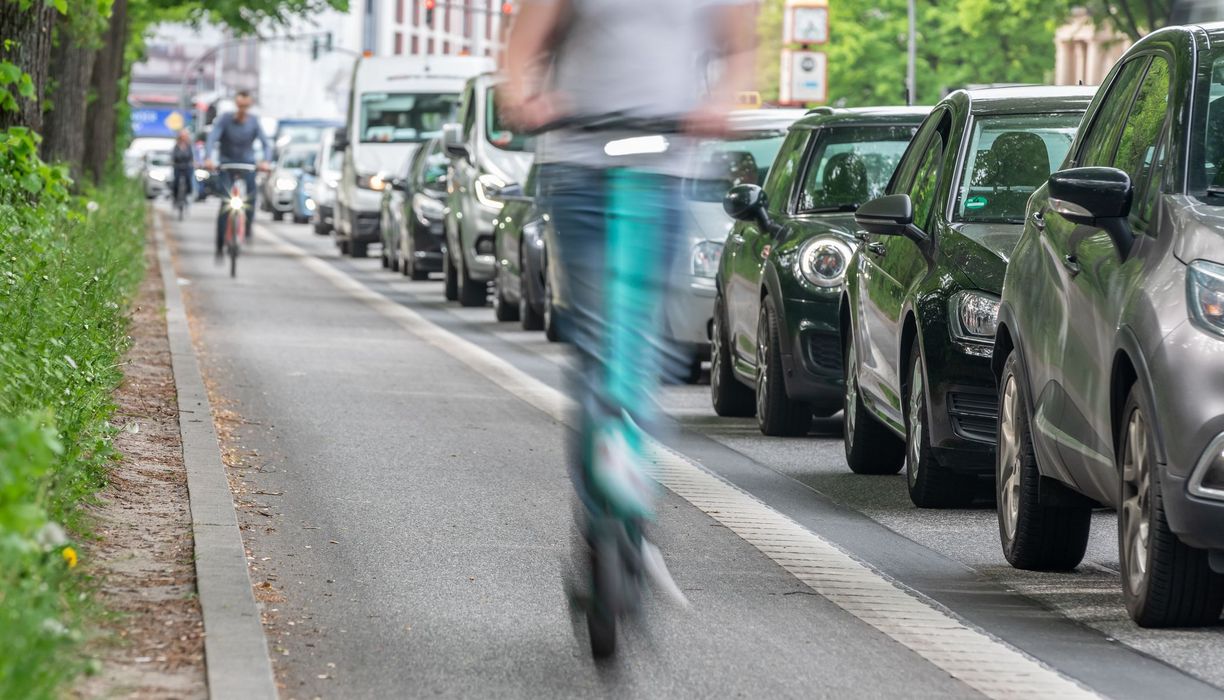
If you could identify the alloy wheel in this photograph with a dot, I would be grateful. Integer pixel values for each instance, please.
(851, 409)
(914, 453)
(716, 351)
(1134, 514)
(762, 360)
(1009, 458)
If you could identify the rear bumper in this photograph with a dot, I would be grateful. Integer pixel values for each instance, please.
(690, 314)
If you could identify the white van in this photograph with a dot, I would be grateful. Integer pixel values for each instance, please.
(395, 104)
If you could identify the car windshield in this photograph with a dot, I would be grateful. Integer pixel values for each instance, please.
(296, 160)
(403, 117)
(743, 158)
(1008, 158)
(335, 161)
(298, 133)
(851, 165)
(496, 131)
(160, 158)
(1207, 155)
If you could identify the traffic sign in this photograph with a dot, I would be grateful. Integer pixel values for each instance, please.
(806, 22)
(804, 77)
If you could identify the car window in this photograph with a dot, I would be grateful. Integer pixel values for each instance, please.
(779, 181)
(904, 174)
(296, 159)
(1101, 138)
(850, 166)
(1008, 158)
(720, 164)
(404, 117)
(469, 114)
(498, 133)
(922, 192)
(1136, 154)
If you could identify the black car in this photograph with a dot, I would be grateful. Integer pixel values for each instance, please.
(519, 234)
(417, 243)
(1111, 334)
(775, 345)
(919, 306)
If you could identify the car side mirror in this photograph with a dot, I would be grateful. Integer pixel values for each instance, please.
(399, 184)
(890, 215)
(340, 140)
(452, 141)
(1098, 197)
(747, 203)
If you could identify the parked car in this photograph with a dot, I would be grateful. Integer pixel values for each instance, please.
(422, 239)
(922, 290)
(776, 346)
(157, 173)
(133, 155)
(281, 184)
(326, 167)
(519, 235)
(484, 157)
(395, 104)
(1111, 330)
(391, 214)
(303, 196)
(743, 157)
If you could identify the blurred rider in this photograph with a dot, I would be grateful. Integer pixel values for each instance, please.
(235, 133)
(613, 195)
(183, 159)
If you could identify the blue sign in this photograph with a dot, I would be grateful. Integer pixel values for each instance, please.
(147, 121)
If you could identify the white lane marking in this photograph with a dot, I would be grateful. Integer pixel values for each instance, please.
(984, 663)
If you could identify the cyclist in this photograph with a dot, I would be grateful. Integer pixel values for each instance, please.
(235, 133)
(613, 195)
(183, 159)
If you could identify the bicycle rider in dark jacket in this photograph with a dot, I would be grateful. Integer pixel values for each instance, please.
(235, 133)
(183, 159)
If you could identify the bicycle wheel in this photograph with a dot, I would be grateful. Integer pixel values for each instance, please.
(237, 225)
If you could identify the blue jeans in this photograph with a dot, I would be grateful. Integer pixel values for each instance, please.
(225, 180)
(616, 235)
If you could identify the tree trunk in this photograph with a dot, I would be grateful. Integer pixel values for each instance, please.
(100, 119)
(29, 29)
(72, 60)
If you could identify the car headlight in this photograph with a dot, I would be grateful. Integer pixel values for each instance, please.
(1205, 295)
(157, 175)
(427, 208)
(310, 205)
(371, 182)
(973, 316)
(822, 261)
(484, 183)
(706, 255)
(285, 183)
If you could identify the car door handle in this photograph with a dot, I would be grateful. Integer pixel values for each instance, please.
(876, 248)
(1039, 219)
(1072, 264)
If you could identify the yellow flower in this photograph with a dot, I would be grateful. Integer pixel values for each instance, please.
(70, 556)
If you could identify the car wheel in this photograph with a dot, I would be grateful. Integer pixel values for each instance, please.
(471, 292)
(1165, 583)
(503, 310)
(731, 398)
(321, 229)
(393, 259)
(1034, 535)
(531, 319)
(383, 259)
(551, 329)
(278, 216)
(931, 485)
(358, 250)
(871, 448)
(343, 245)
(451, 286)
(300, 220)
(777, 414)
(695, 371)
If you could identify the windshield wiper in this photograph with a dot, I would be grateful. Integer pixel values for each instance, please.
(833, 208)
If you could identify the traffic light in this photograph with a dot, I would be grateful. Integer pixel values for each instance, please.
(327, 42)
(314, 48)
(429, 11)
(507, 8)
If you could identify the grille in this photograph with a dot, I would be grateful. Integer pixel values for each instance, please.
(824, 351)
(974, 416)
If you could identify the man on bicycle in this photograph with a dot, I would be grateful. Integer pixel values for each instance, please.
(608, 73)
(235, 132)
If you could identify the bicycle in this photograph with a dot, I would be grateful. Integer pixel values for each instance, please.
(235, 210)
(181, 188)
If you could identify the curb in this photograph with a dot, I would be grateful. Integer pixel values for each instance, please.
(236, 658)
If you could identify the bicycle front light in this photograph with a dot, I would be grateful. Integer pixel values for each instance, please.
(706, 256)
(236, 203)
(822, 261)
(974, 317)
(1205, 295)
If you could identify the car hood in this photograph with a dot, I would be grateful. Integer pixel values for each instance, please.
(1200, 229)
(707, 222)
(382, 158)
(510, 166)
(981, 252)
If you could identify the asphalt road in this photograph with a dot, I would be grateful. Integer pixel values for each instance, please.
(418, 524)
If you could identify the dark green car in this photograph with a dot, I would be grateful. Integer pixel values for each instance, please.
(921, 297)
(775, 346)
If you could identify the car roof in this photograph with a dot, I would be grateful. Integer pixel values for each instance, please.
(828, 116)
(768, 118)
(1024, 99)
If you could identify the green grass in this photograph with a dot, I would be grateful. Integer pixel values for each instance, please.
(67, 275)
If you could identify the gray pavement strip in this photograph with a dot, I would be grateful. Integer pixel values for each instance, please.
(990, 666)
(235, 650)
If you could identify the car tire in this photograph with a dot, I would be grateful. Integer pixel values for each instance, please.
(871, 448)
(393, 259)
(383, 259)
(321, 229)
(472, 294)
(450, 287)
(300, 220)
(1165, 583)
(1035, 536)
(343, 245)
(530, 319)
(931, 485)
(358, 250)
(730, 397)
(503, 310)
(777, 414)
(552, 330)
(278, 216)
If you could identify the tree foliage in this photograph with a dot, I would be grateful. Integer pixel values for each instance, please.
(1135, 18)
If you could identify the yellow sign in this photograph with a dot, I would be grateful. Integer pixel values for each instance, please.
(748, 100)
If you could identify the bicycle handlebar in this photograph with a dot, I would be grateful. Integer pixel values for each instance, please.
(615, 122)
(244, 167)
